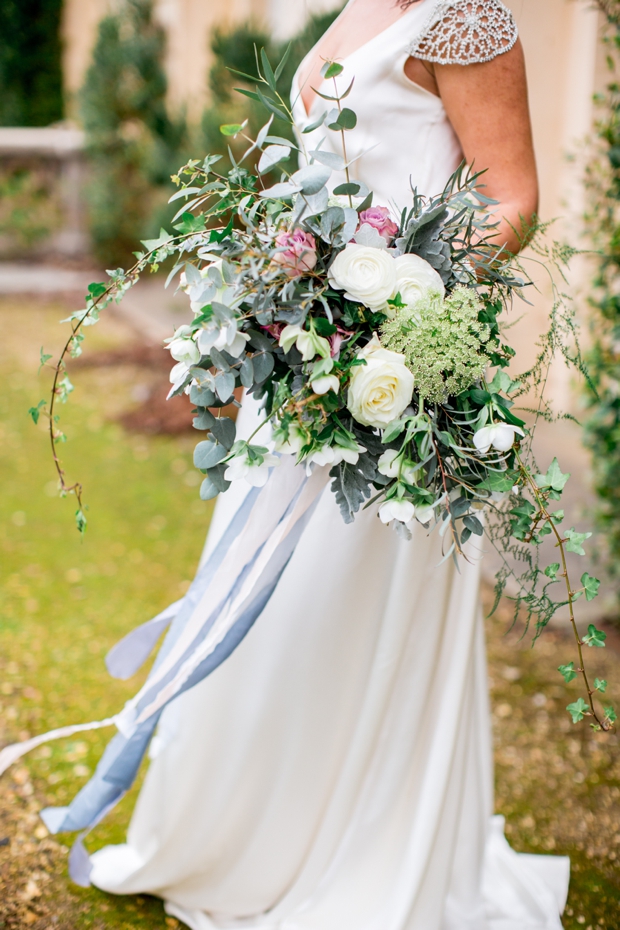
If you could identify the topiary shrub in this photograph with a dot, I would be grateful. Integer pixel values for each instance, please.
(30, 62)
(133, 145)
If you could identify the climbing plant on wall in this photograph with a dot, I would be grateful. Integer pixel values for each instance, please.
(603, 183)
(30, 62)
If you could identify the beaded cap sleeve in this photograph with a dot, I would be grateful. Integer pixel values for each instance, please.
(465, 32)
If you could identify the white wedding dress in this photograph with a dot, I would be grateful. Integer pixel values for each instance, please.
(335, 773)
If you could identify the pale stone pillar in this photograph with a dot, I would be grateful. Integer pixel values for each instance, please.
(189, 25)
(286, 17)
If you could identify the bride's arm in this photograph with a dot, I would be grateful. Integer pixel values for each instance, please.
(487, 106)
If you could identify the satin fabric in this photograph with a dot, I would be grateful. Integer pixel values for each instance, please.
(335, 772)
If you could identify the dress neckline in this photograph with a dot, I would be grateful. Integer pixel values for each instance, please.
(307, 111)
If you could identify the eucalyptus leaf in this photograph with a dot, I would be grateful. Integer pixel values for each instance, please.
(208, 453)
(224, 431)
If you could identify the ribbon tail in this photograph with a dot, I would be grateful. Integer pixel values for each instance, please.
(228, 595)
(131, 652)
(11, 754)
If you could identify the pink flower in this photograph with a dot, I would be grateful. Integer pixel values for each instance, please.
(299, 252)
(379, 219)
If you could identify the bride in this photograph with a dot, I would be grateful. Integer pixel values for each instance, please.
(335, 773)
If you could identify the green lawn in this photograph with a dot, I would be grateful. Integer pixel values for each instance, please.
(64, 601)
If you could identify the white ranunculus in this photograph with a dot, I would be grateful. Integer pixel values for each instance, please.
(380, 390)
(255, 473)
(365, 274)
(425, 513)
(182, 346)
(309, 344)
(396, 510)
(390, 464)
(334, 455)
(231, 340)
(499, 435)
(178, 374)
(415, 278)
(325, 383)
(291, 446)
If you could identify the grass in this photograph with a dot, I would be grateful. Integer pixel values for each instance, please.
(64, 601)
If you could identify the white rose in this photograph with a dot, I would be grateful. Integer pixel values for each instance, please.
(396, 510)
(380, 390)
(365, 274)
(499, 435)
(415, 278)
(325, 383)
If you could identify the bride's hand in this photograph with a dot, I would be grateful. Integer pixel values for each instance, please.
(488, 108)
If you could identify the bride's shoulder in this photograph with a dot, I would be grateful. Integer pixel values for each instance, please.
(463, 32)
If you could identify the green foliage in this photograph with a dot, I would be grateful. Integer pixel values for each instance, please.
(30, 62)
(133, 144)
(236, 51)
(603, 183)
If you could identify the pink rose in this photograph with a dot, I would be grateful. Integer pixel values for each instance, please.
(299, 252)
(379, 219)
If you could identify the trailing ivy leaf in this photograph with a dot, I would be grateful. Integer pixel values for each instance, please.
(80, 521)
(600, 685)
(207, 454)
(554, 478)
(610, 714)
(551, 571)
(35, 412)
(191, 224)
(224, 431)
(44, 358)
(594, 637)
(578, 710)
(591, 586)
(574, 541)
(567, 671)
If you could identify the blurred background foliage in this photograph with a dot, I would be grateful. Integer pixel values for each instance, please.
(603, 185)
(30, 62)
(134, 144)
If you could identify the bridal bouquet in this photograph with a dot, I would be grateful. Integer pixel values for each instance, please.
(373, 340)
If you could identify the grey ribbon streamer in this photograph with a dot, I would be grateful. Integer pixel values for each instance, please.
(228, 594)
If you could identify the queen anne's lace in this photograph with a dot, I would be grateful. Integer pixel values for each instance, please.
(464, 32)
